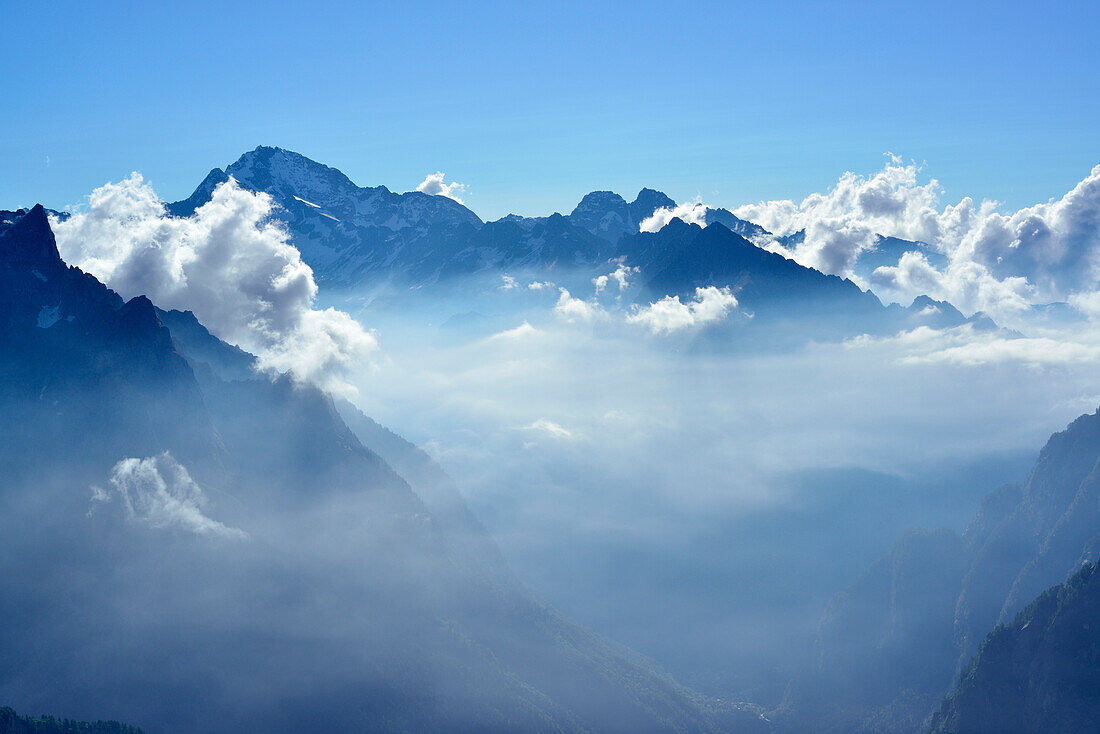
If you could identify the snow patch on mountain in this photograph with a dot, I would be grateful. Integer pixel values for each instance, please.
(47, 317)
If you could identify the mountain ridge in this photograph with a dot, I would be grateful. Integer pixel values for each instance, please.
(1040, 672)
(363, 236)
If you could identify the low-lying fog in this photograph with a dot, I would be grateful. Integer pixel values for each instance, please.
(696, 504)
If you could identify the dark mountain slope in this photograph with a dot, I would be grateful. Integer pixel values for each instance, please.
(789, 303)
(77, 357)
(682, 257)
(876, 669)
(1041, 673)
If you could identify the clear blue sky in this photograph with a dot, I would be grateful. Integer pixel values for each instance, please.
(533, 106)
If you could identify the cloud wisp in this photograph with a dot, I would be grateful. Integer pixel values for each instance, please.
(620, 276)
(691, 212)
(158, 491)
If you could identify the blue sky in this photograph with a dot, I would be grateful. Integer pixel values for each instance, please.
(531, 107)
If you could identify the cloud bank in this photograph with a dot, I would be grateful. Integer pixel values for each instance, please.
(997, 262)
(230, 263)
(969, 347)
(434, 185)
(548, 427)
(159, 492)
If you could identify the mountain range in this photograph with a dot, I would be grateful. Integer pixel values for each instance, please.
(357, 237)
(190, 545)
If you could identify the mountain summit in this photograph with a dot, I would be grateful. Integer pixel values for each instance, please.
(345, 232)
(27, 241)
(608, 216)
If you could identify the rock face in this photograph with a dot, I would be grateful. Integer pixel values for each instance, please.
(608, 216)
(1039, 673)
(344, 232)
(189, 546)
(891, 645)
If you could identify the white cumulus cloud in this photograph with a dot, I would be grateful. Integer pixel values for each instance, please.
(996, 262)
(574, 309)
(434, 185)
(621, 276)
(230, 263)
(159, 492)
(692, 212)
(669, 314)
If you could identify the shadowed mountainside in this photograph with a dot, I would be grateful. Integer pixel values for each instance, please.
(891, 645)
(1039, 673)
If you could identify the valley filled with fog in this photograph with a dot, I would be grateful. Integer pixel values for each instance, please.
(645, 466)
(698, 503)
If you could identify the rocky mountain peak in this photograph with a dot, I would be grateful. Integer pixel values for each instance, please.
(28, 242)
(648, 201)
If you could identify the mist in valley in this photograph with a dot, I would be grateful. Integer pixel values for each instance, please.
(700, 503)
